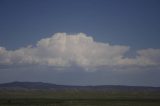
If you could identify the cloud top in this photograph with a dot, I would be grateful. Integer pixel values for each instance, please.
(63, 50)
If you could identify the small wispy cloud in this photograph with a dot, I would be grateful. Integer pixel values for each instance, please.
(63, 50)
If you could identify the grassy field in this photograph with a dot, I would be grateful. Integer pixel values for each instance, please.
(79, 102)
(78, 98)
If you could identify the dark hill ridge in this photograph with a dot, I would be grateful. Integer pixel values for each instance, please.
(50, 86)
(31, 85)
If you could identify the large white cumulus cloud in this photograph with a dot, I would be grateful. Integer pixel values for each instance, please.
(62, 50)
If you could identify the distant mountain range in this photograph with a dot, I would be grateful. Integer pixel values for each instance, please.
(50, 86)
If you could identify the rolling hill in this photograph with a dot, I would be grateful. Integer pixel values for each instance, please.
(50, 86)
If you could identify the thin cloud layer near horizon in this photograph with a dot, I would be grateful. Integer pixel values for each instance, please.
(79, 42)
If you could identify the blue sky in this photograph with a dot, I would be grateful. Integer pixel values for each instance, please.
(128, 24)
(115, 21)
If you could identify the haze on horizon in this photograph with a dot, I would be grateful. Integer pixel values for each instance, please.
(98, 42)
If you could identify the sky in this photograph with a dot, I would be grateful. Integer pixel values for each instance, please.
(80, 42)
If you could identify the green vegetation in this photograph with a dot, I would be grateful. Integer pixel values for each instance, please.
(78, 98)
